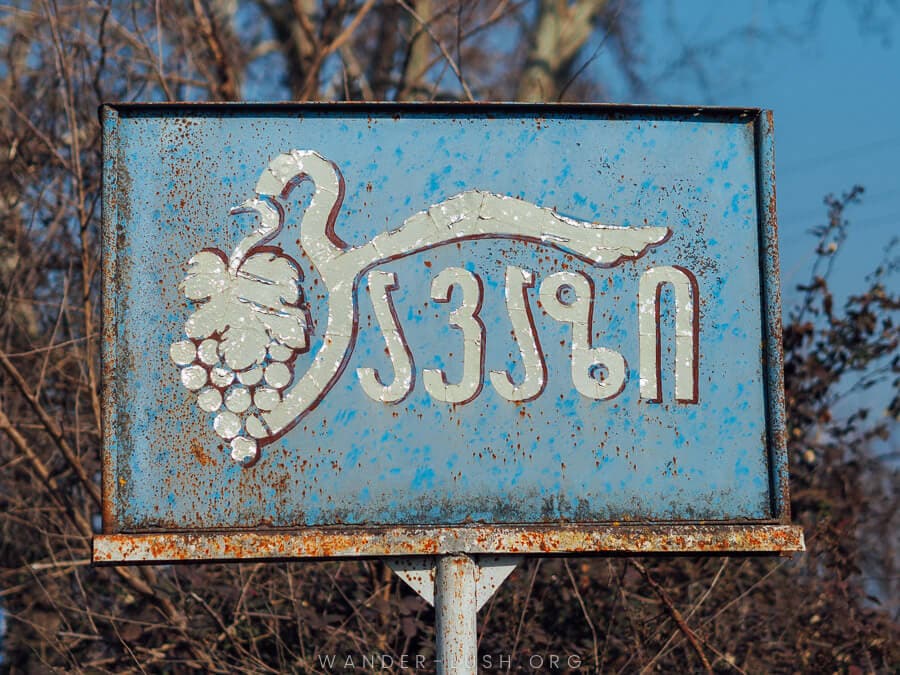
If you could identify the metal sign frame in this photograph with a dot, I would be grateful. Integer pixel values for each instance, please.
(121, 543)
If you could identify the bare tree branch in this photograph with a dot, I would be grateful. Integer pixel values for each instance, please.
(440, 45)
(226, 84)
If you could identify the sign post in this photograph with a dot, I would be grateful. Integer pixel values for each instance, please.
(443, 335)
(455, 608)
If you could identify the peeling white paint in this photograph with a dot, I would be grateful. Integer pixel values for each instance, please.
(193, 377)
(183, 352)
(209, 400)
(243, 449)
(221, 377)
(208, 352)
(279, 352)
(255, 427)
(238, 400)
(266, 398)
(250, 377)
(277, 375)
(227, 425)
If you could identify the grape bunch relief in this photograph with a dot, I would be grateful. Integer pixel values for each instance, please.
(244, 337)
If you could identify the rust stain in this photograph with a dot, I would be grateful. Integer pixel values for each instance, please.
(405, 541)
(199, 453)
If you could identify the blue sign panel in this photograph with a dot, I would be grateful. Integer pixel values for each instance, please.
(345, 330)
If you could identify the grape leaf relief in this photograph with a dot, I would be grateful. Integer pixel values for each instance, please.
(247, 309)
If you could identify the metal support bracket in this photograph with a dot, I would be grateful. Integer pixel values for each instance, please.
(458, 586)
(419, 573)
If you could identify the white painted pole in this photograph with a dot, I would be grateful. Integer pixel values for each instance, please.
(456, 609)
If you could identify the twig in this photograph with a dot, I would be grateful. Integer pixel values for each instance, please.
(676, 616)
(64, 68)
(696, 606)
(355, 71)
(36, 131)
(229, 632)
(587, 616)
(593, 56)
(226, 84)
(612, 610)
(500, 12)
(50, 348)
(57, 564)
(56, 324)
(712, 585)
(512, 652)
(159, 52)
(750, 589)
(38, 466)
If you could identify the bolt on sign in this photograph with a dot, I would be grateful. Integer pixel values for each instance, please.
(398, 330)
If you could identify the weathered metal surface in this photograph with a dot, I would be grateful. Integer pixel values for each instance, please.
(773, 356)
(473, 539)
(380, 317)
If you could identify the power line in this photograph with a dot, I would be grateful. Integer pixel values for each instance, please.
(886, 219)
(831, 157)
(822, 210)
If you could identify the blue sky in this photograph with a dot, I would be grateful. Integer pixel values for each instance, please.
(831, 73)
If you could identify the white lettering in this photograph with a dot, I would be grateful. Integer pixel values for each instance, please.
(568, 296)
(519, 309)
(465, 317)
(597, 373)
(684, 285)
(380, 285)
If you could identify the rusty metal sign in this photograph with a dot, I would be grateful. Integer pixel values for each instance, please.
(393, 330)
